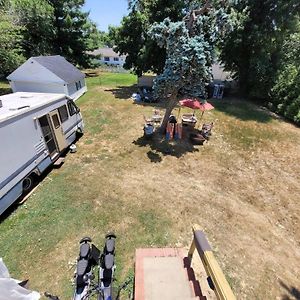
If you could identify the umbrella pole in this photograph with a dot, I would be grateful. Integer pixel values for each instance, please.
(202, 115)
(178, 113)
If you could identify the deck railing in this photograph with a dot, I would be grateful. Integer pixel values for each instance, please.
(216, 277)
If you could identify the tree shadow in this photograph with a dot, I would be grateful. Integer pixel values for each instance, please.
(41, 178)
(161, 104)
(242, 109)
(123, 92)
(293, 293)
(161, 147)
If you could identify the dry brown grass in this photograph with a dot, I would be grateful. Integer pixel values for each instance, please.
(242, 187)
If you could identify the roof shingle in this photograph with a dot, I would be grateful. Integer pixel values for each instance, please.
(60, 67)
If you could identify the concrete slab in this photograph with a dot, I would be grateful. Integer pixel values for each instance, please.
(165, 278)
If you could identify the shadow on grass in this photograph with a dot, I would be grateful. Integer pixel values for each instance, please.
(123, 92)
(293, 293)
(19, 202)
(38, 180)
(243, 110)
(160, 147)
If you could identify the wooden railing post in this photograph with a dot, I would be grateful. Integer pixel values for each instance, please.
(222, 288)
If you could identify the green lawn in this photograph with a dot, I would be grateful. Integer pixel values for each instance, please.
(4, 87)
(150, 193)
(112, 80)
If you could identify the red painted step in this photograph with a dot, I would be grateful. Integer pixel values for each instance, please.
(163, 273)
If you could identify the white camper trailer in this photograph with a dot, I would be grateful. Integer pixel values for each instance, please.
(34, 130)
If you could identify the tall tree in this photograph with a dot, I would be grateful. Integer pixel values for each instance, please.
(252, 50)
(36, 18)
(190, 47)
(11, 53)
(75, 33)
(132, 37)
(285, 94)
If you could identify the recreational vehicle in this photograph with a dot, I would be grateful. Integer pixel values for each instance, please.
(35, 128)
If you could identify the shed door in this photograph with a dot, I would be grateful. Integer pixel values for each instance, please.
(57, 129)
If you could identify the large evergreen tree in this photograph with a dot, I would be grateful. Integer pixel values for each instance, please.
(75, 34)
(132, 37)
(190, 46)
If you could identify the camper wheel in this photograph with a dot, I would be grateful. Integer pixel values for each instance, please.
(28, 183)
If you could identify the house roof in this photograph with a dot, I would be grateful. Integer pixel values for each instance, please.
(106, 52)
(60, 67)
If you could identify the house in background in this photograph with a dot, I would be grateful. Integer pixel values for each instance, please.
(48, 74)
(109, 57)
(219, 74)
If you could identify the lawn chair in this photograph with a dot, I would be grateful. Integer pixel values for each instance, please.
(188, 120)
(206, 130)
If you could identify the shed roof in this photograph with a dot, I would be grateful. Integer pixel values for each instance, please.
(60, 67)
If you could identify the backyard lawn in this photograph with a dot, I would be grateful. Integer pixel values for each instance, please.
(242, 187)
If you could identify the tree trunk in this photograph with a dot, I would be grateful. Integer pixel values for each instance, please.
(171, 104)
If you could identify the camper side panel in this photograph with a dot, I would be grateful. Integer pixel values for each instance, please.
(23, 149)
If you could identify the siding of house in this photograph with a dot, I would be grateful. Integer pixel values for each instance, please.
(75, 93)
(113, 62)
(19, 86)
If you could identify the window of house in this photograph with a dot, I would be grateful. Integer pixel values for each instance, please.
(63, 113)
(79, 83)
(106, 58)
(72, 108)
(76, 83)
(55, 121)
(116, 58)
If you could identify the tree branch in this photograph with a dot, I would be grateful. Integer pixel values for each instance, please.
(192, 17)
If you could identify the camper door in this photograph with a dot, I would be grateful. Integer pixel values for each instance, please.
(57, 129)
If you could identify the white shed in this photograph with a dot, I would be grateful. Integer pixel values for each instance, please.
(48, 74)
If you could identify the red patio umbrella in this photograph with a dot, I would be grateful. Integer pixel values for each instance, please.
(191, 103)
(205, 106)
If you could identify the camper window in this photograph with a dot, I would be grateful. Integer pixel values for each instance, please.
(77, 87)
(72, 108)
(55, 121)
(63, 113)
(79, 83)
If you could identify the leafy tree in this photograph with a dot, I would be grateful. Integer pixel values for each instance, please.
(285, 94)
(36, 18)
(75, 34)
(190, 46)
(252, 49)
(11, 55)
(132, 37)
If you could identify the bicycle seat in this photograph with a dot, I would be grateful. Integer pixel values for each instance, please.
(110, 245)
(84, 250)
(109, 261)
(82, 266)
